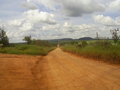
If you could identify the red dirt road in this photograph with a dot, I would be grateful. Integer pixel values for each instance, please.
(56, 71)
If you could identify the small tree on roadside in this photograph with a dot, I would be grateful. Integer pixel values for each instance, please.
(3, 37)
(115, 35)
(27, 39)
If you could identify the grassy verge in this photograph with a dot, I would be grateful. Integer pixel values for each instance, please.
(109, 54)
(27, 49)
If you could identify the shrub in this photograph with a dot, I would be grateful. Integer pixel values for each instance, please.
(82, 44)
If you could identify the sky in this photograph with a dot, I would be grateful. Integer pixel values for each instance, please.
(55, 19)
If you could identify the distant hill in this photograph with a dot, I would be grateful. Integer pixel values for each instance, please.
(63, 39)
(70, 39)
(86, 38)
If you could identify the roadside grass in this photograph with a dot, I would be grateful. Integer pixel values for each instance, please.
(27, 49)
(110, 53)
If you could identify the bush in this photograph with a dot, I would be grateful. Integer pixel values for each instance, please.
(82, 44)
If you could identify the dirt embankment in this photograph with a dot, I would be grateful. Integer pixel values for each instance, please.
(56, 71)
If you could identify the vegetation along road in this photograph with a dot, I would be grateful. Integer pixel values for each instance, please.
(56, 71)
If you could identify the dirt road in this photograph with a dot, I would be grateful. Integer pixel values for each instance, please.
(56, 71)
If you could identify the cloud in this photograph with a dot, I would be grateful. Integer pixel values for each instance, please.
(16, 22)
(29, 23)
(114, 5)
(29, 5)
(80, 7)
(66, 29)
(31, 18)
(35, 16)
(73, 8)
(107, 20)
(50, 19)
(26, 26)
(51, 27)
(48, 31)
(53, 31)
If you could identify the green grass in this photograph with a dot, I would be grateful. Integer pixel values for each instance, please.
(27, 49)
(109, 54)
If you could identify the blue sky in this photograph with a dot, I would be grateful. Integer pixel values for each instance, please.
(52, 19)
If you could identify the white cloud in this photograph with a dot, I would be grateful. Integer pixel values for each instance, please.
(16, 22)
(51, 27)
(114, 5)
(35, 16)
(54, 31)
(107, 20)
(68, 28)
(26, 26)
(30, 23)
(30, 18)
(50, 19)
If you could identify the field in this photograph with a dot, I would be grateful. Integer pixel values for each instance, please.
(27, 49)
(102, 50)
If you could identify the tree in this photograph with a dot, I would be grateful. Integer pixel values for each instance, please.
(3, 37)
(27, 39)
(115, 35)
